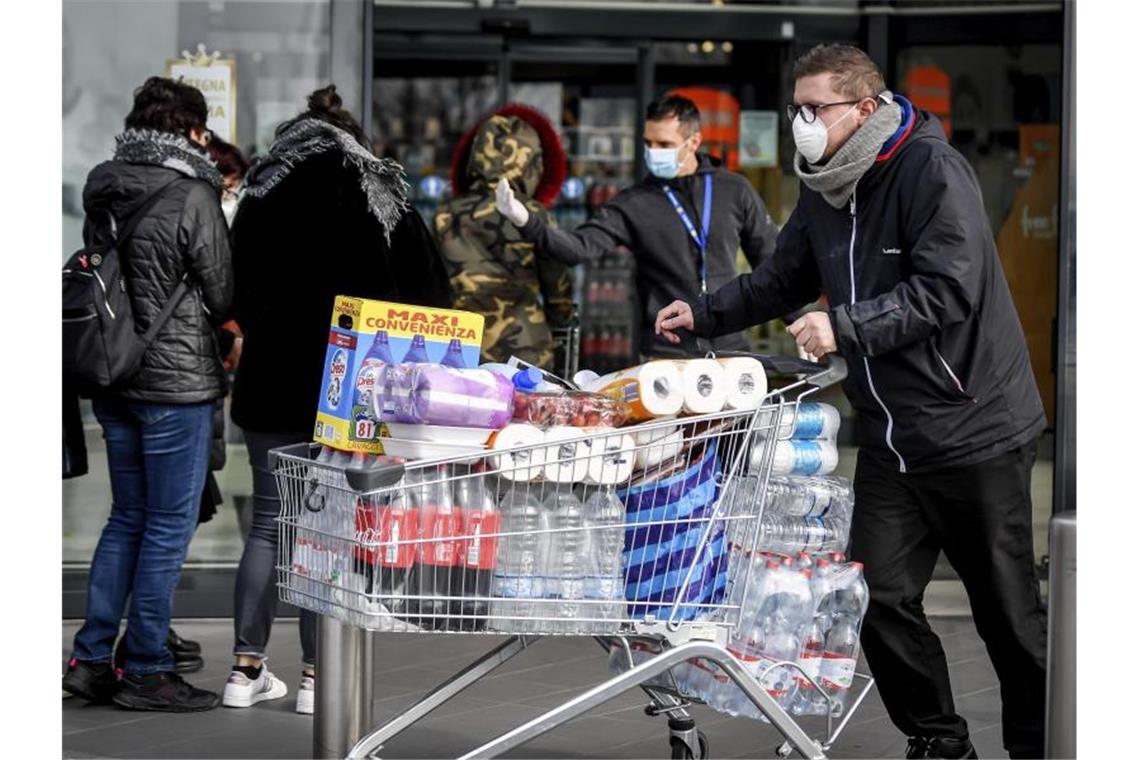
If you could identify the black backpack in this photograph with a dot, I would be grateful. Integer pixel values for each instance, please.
(101, 346)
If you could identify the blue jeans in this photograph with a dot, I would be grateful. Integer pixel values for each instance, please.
(158, 455)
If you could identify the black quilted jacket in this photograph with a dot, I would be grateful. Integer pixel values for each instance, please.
(183, 233)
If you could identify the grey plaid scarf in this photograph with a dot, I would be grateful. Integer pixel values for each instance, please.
(381, 179)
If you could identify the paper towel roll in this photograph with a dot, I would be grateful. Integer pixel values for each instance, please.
(566, 462)
(660, 450)
(703, 385)
(796, 457)
(746, 382)
(653, 389)
(611, 457)
(526, 464)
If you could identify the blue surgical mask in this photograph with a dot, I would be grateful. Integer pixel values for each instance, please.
(662, 162)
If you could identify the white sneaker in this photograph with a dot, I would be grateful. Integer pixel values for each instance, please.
(241, 691)
(306, 695)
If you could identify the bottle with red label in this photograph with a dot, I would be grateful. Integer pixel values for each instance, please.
(478, 552)
(438, 552)
(387, 527)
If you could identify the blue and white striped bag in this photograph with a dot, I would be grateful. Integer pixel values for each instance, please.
(658, 556)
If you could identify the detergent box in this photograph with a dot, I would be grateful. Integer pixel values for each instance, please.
(367, 334)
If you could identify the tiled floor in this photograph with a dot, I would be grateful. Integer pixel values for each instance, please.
(554, 671)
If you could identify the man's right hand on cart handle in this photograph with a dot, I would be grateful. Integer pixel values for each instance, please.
(812, 331)
(508, 205)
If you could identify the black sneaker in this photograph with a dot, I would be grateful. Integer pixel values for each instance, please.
(939, 747)
(179, 645)
(94, 681)
(163, 692)
(186, 657)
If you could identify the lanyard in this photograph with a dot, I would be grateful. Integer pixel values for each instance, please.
(700, 238)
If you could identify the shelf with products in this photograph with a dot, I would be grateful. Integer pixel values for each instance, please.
(609, 313)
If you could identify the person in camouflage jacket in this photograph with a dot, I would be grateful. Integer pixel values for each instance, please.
(493, 271)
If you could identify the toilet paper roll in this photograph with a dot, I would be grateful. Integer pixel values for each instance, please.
(611, 457)
(566, 460)
(746, 382)
(523, 465)
(653, 389)
(643, 437)
(660, 450)
(703, 385)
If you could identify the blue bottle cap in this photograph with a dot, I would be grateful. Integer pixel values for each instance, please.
(527, 379)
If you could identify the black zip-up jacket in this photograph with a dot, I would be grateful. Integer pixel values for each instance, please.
(642, 219)
(939, 372)
(183, 234)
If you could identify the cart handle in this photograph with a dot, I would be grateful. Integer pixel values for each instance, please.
(360, 479)
(821, 375)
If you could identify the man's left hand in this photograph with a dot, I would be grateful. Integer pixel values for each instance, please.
(813, 334)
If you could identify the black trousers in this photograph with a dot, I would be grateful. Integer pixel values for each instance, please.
(980, 515)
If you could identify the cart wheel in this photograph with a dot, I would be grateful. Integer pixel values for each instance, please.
(784, 750)
(680, 750)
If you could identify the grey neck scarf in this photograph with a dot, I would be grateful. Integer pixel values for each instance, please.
(149, 146)
(381, 179)
(836, 179)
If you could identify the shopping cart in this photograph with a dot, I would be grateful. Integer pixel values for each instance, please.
(567, 346)
(351, 549)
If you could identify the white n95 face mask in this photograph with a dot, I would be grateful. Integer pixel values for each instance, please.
(811, 139)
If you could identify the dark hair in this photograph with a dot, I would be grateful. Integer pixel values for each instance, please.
(229, 159)
(167, 106)
(675, 105)
(853, 73)
(325, 104)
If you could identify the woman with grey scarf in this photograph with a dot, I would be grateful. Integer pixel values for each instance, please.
(157, 423)
(321, 217)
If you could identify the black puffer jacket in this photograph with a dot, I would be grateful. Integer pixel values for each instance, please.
(183, 233)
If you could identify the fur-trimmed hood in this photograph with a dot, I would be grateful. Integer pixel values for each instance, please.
(520, 124)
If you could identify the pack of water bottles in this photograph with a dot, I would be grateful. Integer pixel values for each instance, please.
(792, 610)
(800, 513)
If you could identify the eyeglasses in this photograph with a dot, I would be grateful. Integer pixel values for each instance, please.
(807, 112)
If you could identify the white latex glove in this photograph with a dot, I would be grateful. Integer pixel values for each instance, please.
(508, 205)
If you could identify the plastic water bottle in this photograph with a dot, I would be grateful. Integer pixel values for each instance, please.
(438, 553)
(417, 352)
(605, 580)
(564, 574)
(841, 652)
(798, 457)
(477, 552)
(515, 581)
(808, 700)
(813, 535)
(454, 355)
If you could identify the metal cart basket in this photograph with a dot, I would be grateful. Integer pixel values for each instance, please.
(491, 541)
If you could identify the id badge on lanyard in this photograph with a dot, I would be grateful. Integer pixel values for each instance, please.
(700, 238)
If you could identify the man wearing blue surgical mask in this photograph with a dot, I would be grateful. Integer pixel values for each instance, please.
(684, 223)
